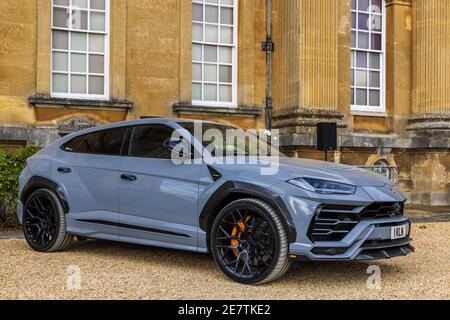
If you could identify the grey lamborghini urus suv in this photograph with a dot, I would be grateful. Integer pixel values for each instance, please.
(166, 183)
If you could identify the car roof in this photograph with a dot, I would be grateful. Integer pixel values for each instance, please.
(143, 121)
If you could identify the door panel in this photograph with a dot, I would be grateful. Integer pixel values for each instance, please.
(159, 205)
(91, 181)
(163, 198)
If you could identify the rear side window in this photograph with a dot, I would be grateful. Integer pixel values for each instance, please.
(106, 142)
(148, 142)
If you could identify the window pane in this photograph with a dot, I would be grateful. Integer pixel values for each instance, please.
(108, 142)
(96, 64)
(352, 96)
(363, 40)
(148, 142)
(210, 92)
(80, 3)
(374, 61)
(374, 97)
(98, 4)
(78, 62)
(61, 2)
(197, 32)
(361, 97)
(376, 42)
(97, 43)
(226, 93)
(78, 41)
(80, 20)
(97, 21)
(210, 73)
(60, 61)
(226, 55)
(60, 40)
(354, 5)
(196, 72)
(78, 84)
(225, 74)
(196, 52)
(375, 23)
(226, 35)
(353, 20)
(363, 5)
(363, 21)
(226, 16)
(227, 2)
(211, 34)
(196, 91)
(211, 14)
(361, 78)
(61, 17)
(353, 77)
(60, 83)
(377, 4)
(113, 140)
(210, 53)
(374, 79)
(353, 39)
(96, 85)
(211, 1)
(361, 59)
(197, 12)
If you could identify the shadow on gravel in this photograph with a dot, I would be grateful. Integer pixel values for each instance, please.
(311, 273)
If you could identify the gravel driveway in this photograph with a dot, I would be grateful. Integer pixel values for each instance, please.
(120, 271)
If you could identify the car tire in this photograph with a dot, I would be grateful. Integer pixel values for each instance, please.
(44, 222)
(249, 243)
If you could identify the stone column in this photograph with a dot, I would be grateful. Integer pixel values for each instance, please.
(306, 64)
(398, 62)
(431, 66)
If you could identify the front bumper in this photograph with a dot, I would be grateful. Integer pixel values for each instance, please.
(369, 240)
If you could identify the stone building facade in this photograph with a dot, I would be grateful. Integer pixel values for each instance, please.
(380, 69)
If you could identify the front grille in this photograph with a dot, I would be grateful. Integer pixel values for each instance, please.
(334, 222)
(380, 210)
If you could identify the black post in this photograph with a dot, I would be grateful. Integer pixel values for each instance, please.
(268, 47)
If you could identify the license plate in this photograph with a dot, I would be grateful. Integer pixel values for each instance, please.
(399, 232)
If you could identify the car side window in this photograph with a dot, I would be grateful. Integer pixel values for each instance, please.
(149, 141)
(106, 142)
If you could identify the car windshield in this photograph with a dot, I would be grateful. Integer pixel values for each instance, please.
(223, 140)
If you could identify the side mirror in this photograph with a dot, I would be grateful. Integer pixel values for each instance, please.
(172, 143)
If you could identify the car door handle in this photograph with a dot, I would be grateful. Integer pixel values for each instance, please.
(64, 170)
(128, 177)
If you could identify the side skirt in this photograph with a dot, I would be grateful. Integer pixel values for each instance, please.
(127, 226)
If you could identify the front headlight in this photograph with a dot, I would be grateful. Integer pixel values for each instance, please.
(323, 186)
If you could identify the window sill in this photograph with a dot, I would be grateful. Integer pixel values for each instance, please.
(370, 114)
(44, 100)
(187, 108)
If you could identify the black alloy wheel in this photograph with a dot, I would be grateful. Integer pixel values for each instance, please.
(249, 243)
(44, 222)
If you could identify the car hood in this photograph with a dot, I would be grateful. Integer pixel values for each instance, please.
(331, 171)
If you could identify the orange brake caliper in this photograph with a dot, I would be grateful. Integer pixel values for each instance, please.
(237, 233)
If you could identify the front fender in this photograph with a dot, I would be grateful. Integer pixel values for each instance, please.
(230, 188)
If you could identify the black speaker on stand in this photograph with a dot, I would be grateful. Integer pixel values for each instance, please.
(326, 137)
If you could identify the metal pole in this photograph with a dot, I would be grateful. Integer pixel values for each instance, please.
(268, 47)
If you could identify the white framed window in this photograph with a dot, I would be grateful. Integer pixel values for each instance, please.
(368, 50)
(214, 52)
(80, 49)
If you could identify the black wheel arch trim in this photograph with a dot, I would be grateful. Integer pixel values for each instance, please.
(38, 182)
(243, 188)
